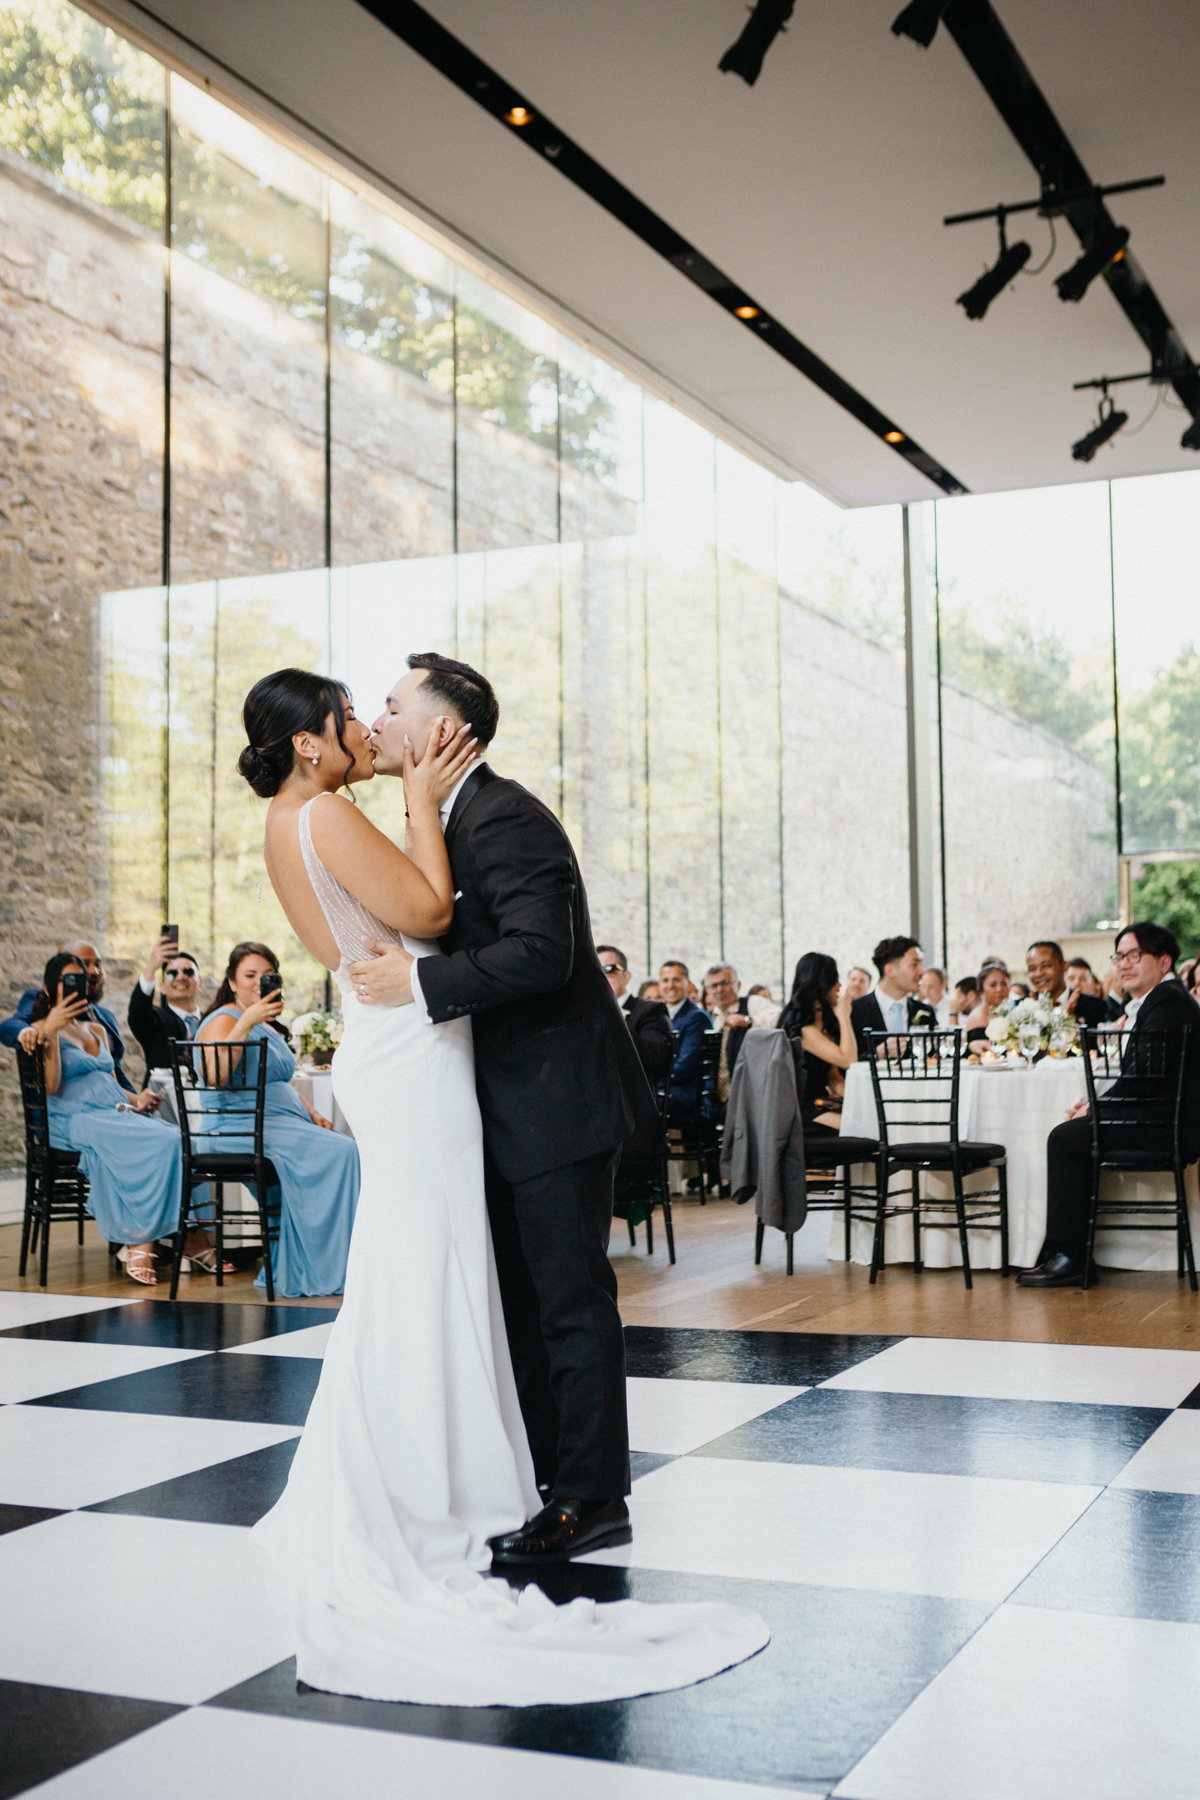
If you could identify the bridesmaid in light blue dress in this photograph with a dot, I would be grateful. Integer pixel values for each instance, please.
(317, 1166)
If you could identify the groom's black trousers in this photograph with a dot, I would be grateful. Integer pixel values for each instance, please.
(550, 1237)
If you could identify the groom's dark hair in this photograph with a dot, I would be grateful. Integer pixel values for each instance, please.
(470, 694)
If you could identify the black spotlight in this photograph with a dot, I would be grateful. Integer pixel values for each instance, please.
(745, 58)
(1011, 261)
(1191, 437)
(1109, 424)
(1080, 276)
(920, 21)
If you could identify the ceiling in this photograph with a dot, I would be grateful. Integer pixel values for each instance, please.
(820, 190)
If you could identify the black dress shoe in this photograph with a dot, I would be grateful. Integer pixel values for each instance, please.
(1058, 1270)
(564, 1528)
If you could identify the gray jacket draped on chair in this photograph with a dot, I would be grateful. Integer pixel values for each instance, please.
(763, 1148)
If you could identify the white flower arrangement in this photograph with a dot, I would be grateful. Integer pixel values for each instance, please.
(1032, 1028)
(317, 1035)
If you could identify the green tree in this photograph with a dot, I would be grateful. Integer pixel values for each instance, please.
(1169, 893)
(1024, 667)
(1160, 759)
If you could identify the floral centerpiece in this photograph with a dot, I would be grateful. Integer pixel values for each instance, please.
(316, 1036)
(1030, 1029)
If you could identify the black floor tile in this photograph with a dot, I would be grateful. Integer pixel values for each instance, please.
(178, 1324)
(266, 1390)
(841, 1667)
(1192, 1403)
(15, 1518)
(644, 1462)
(1132, 1554)
(237, 1492)
(44, 1730)
(791, 1358)
(945, 1434)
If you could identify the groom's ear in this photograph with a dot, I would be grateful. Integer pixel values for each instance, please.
(447, 727)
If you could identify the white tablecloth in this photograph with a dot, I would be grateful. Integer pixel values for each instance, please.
(1018, 1107)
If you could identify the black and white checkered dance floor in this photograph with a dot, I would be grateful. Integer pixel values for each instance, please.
(980, 1563)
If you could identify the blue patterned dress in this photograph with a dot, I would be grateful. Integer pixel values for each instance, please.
(318, 1171)
(133, 1161)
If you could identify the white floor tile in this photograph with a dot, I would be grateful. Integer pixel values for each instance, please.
(31, 1309)
(955, 1535)
(677, 1416)
(1169, 1461)
(309, 1342)
(71, 1456)
(251, 1756)
(156, 1609)
(1047, 1706)
(33, 1367)
(987, 1370)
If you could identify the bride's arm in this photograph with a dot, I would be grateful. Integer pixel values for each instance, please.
(412, 894)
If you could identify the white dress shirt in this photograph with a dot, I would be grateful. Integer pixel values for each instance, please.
(444, 811)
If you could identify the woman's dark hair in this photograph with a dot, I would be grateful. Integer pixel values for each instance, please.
(237, 956)
(807, 1003)
(52, 974)
(275, 709)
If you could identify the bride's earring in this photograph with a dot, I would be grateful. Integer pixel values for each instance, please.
(316, 760)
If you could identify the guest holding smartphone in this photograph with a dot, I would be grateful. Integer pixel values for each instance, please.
(317, 1167)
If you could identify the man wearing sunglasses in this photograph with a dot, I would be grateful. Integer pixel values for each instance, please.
(648, 1023)
(158, 1026)
(1157, 1001)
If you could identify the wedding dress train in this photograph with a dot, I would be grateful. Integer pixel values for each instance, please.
(414, 1453)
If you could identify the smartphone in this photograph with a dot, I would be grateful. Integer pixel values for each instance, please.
(172, 932)
(269, 983)
(74, 985)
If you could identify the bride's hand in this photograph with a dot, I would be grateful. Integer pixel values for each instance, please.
(437, 774)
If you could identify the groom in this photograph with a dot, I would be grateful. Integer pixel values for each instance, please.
(560, 1089)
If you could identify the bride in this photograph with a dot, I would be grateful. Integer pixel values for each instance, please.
(415, 1452)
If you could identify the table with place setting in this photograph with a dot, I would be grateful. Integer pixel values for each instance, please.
(1016, 1104)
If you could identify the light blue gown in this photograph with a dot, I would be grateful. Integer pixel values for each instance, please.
(133, 1161)
(318, 1171)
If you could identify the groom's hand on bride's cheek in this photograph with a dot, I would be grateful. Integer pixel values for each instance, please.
(386, 980)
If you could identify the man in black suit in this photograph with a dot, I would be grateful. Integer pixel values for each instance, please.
(159, 1026)
(1046, 967)
(1158, 1001)
(649, 1025)
(560, 1089)
(895, 1004)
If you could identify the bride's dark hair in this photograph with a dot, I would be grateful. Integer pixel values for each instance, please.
(275, 710)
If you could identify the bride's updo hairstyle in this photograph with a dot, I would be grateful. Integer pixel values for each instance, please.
(276, 709)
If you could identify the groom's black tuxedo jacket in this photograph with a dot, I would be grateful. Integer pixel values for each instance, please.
(556, 1070)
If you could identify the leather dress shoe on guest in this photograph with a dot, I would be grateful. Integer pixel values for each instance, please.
(562, 1529)
(1058, 1270)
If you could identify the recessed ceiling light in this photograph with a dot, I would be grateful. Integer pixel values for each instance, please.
(518, 115)
(746, 312)
(894, 437)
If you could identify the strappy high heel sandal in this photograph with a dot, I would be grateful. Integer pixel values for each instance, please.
(206, 1262)
(139, 1264)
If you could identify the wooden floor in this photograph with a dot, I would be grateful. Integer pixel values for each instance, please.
(715, 1283)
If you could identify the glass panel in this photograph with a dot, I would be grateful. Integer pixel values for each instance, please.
(1026, 649)
(392, 386)
(511, 619)
(681, 682)
(748, 598)
(845, 737)
(133, 720)
(247, 348)
(507, 440)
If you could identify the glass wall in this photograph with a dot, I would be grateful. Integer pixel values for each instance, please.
(252, 418)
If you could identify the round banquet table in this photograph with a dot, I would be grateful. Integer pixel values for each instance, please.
(1017, 1106)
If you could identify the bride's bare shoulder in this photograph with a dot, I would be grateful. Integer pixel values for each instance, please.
(338, 825)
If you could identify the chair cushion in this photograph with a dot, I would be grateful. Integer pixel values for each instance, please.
(1150, 1160)
(973, 1154)
(824, 1150)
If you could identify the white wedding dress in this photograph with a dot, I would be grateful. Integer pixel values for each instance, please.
(414, 1453)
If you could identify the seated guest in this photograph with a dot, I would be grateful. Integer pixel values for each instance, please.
(818, 1013)
(132, 1161)
(1019, 990)
(993, 985)
(649, 1026)
(1046, 967)
(730, 1017)
(93, 966)
(896, 1004)
(1191, 979)
(1081, 978)
(963, 1000)
(176, 1016)
(689, 1023)
(649, 991)
(317, 1166)
(760, 990)
(933, 989)
(1158, 1001)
